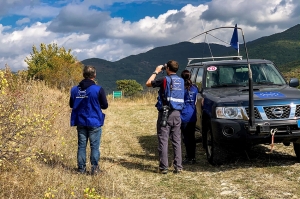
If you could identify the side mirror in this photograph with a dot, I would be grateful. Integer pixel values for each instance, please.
(294, 82)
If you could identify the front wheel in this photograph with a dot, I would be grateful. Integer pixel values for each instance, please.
(215, 154)
(297, 150)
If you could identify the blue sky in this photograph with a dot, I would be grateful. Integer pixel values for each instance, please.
(114, 29)
(138, 10)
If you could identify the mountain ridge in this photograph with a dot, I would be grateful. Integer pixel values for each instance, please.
(281, 48)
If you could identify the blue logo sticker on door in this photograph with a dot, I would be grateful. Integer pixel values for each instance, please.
(298, 123)
(269, 94)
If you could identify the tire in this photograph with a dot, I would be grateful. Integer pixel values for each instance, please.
(215, 154)
(297, 150)
(204, 132)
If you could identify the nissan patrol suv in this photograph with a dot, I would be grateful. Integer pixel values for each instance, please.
(234, 114)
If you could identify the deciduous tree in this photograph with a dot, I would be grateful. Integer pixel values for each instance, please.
(129, 87)
(56, 65)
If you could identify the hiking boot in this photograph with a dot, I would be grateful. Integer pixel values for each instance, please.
(176, 171)
(81, 170)
(163, 171)
(95, 170)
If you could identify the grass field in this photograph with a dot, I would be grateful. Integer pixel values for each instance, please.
(129, 161)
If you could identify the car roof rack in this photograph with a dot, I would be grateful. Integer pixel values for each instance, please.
(213, 58)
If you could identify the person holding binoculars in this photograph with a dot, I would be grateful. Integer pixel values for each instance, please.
(170, 102)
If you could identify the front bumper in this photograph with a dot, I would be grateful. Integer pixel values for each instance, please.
(236, 133)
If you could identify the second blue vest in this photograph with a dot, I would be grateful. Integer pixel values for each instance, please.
(189, 111)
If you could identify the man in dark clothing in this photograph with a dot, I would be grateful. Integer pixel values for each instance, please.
(170, 100)
(86, 100)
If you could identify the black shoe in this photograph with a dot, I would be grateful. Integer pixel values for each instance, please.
(193, 161)
(176, 171)
(81, 170)
(163, 171)
(95, 170)
(189, 161)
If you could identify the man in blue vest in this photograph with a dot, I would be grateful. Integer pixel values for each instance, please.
(170, 102)
(86, 100)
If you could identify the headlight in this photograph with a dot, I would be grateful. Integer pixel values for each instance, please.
(229, 112)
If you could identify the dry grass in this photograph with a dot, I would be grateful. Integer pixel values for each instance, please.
(129, 158)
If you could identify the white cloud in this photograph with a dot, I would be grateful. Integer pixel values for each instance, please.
(38, 11)
(92, 33)
(178, 25)
(23, 21)
(16, 45)
(253, 13)
(15, 63)
(77, 18)
(106, 3)
(6, 6)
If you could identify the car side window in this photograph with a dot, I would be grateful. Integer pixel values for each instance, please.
(199, 78)
(193, 74)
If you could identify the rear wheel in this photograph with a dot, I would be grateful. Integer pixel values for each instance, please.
(215, 154)
(297, 150)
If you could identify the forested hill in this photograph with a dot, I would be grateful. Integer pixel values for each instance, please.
(281, 48)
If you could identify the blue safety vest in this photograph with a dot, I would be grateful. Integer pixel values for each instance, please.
(189, 111)
(86, 110)
(172, 95)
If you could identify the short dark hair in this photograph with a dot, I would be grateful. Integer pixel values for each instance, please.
(173, 65)
(89, 72)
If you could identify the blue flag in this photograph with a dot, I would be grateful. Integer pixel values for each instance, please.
(234, 39)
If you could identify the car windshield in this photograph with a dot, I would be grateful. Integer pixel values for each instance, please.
(237, 75)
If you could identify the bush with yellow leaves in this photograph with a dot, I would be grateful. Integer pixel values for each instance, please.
(24, 118)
